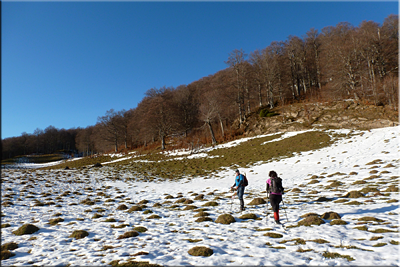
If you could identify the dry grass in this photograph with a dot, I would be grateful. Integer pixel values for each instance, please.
(203, 219)
(273, 235)
(154, 164)
(248, 216)
(201, 251)
(26, 229)
(330, 215)
(311, 220)
(6, 254)
(333, 255)
(225, 219)
(79, 234)
(128, 234)
(9, 246)
(338, 222)
(257, 201)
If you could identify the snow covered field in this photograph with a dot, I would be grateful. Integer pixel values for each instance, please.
(367, 233)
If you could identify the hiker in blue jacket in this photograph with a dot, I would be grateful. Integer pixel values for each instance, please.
(239, 186)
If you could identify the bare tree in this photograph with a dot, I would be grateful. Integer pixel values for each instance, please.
(111, 125)
(343, 60)
(51, 136)
(125, 119)
(271, 74)
(38, 133)
(296, 52)
(208, 112)
(85, 142)
(277, 70)
(161, 113)
(391, 90)
(256, 59)
(267, 73)
(25, 142)
(187, 108)
(236, 61)
(370, 50)
(313, 41)
(389, 33)
(217, 85)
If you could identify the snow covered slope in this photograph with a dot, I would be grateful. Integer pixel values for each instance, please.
(367, 232)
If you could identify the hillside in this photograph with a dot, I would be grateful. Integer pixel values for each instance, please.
(340, 115)
(153, 164)
(340, 207)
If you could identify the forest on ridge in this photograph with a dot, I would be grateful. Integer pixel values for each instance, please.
(337, 63)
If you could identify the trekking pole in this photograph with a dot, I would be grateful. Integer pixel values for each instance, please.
(232, 198)
(266, 210)
(285, 211)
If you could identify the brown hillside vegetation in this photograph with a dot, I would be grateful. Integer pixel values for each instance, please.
(302, 81)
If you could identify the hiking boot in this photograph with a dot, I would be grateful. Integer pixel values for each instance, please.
(277, 222)
(242, 208)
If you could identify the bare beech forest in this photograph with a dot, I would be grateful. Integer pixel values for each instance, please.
(339, 62)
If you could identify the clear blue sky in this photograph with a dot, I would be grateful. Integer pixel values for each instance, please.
(66, 63)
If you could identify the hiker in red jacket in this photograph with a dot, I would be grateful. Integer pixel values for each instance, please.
(275, 191)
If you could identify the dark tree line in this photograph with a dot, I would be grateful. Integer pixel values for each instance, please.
(45, 141)
(340, 62)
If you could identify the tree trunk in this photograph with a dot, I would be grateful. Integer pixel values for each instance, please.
(317, 66)
(270, 95)
(280, 88)
(214, 141)
(162, 137)
(240, 109)
(295, 89)
(248, 98)
(126, 139)
(116, 141)
(372, 79)
(222, 126)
